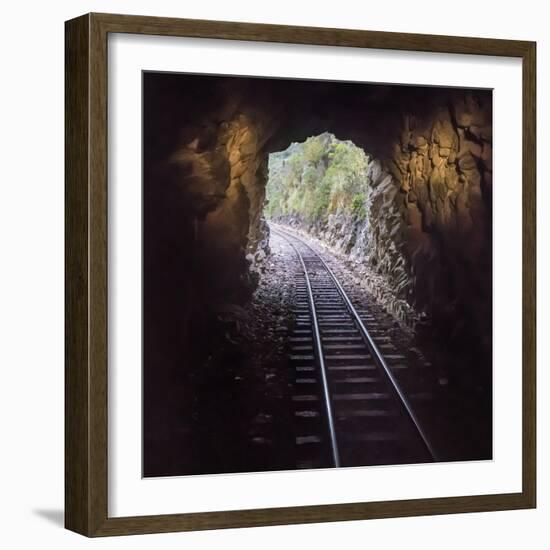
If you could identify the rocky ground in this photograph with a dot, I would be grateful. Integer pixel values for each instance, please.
(241, 413)
(451, 401)
(238, 413)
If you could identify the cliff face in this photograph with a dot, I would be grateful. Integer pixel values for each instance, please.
(426, 234)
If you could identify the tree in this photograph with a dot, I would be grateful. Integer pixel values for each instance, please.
(313, 179)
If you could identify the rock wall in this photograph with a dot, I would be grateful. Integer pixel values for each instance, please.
(443, 164)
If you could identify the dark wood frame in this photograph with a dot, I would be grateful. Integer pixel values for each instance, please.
(86, 274)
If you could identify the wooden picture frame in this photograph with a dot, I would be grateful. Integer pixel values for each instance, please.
(86, 364)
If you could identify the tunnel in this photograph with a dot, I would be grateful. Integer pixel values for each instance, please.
(425, 238)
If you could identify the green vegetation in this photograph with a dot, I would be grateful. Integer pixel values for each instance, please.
(316, 178)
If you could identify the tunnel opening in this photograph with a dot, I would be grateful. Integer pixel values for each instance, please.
(337, 193)
(410, 220)
(309, 182)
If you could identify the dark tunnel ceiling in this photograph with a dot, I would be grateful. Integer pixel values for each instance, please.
(368, 114)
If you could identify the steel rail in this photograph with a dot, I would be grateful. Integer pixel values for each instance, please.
(373, 348)
(320, 359)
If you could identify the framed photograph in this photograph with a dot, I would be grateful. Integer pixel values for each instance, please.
(300, 275)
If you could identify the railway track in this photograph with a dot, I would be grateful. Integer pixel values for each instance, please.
(349, 409)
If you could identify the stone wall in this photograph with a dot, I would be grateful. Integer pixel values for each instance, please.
(443, 165)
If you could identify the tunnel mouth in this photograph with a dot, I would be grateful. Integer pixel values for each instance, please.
(326, 188)
(389, 186)
(312, 180)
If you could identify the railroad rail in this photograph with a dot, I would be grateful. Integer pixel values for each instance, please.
(349, 408)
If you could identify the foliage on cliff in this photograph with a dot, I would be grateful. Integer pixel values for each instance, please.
(314, 179)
